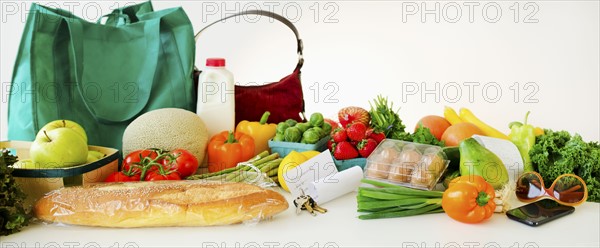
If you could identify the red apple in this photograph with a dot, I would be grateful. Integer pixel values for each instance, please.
(349, 115)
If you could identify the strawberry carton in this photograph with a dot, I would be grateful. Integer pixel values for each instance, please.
(352, 145)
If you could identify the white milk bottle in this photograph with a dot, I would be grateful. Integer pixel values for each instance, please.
(216, 98)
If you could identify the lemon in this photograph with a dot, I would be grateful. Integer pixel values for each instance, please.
(291, 161)
(310, 154)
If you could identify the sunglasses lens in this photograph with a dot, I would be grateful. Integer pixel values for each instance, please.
(569, 189)
(529, 186)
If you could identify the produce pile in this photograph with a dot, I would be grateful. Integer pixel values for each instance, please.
(248, 154)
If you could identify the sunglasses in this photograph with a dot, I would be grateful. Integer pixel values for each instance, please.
(567, 189)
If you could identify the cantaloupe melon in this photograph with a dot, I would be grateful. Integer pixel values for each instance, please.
(169, 129)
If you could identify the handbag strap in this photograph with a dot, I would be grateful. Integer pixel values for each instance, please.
(290, 25)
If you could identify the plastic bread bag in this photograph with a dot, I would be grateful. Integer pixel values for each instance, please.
(159, 203)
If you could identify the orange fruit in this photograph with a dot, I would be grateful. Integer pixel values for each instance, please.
(436, 124)
(458, 132)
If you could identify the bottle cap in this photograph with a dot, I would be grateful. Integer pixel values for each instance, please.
(215, 62)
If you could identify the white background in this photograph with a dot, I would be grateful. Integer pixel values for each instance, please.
(355, 50)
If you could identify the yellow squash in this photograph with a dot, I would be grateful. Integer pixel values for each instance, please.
(467, 116)
(451, 116)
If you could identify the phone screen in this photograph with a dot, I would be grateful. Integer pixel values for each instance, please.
(539, 212)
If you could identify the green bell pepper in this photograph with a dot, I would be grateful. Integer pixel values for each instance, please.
(523, 136)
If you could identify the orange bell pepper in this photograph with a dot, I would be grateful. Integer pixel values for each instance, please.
(226, 150)
(261, 132)
(469, 199)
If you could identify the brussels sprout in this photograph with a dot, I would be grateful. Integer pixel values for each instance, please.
(319, 131)
(326, 127)
(279, 137)
(303, 126)
(311, 136)
(303, 141)
(292, 134)
(291, 122)
(316, 119)
(281, 127)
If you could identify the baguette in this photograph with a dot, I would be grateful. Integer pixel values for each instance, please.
(162, 203)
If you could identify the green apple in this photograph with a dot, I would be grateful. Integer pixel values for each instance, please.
(90, 159)
(96, 154)
(25, 164)
(59, 148)
(63, 123)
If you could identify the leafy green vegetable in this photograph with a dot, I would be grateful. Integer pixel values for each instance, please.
(292, 134)
(424, 136)
(326, 127)
(303, 126)
(12, 212)
(281, 127)
(385, 120)
(291, 122)
(316, 119)
(557, 153)
(311, 136)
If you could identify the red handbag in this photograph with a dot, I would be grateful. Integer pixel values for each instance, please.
(284, 99)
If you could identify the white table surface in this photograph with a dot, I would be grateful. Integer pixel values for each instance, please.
(340, 227)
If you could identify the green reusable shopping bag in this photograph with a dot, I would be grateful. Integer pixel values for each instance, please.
(101, 76)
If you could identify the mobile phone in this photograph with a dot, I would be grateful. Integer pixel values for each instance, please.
(539, 212)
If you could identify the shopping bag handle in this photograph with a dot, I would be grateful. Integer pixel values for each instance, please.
(290, 25)
(121, 18)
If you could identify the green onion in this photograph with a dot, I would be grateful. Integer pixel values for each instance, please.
(390, 201)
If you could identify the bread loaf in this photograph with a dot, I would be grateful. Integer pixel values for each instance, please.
(162, 203)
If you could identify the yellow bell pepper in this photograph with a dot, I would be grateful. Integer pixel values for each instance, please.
(261, 131)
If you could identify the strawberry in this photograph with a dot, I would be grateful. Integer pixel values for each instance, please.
(330, 144)
(375, 135)
(356, 131)
(344, 150)
(339, 135)
(366, 147)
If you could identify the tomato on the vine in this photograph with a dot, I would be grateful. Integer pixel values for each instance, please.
(119, 176)
(181, 161)
(131, 163)
(158, 176)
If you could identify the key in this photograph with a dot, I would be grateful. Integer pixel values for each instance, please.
(319, 209)
(309, 208)
(316, 207)
(300, 202)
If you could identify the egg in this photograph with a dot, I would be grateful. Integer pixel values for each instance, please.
(409, 157)
(422, 177)
(388, 154)
(400, 173)
(433, 163)
(378, 170)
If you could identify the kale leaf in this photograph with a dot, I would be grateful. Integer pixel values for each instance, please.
(557, 152)
(12, 213)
